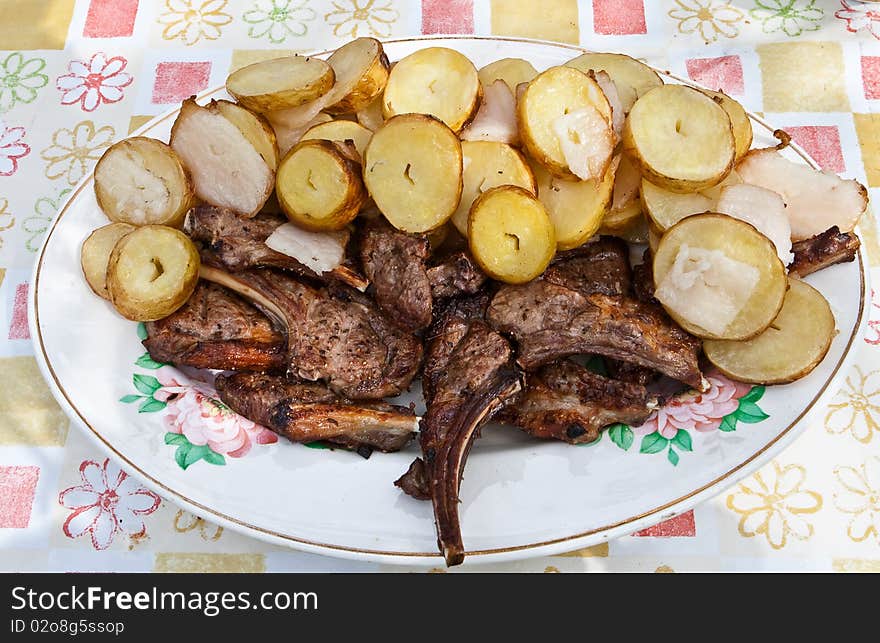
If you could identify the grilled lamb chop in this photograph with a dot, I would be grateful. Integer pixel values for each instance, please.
(823, 250)
(394, 262)
(601, 266)
(568, 402)
(458, 274)
(550, 322)
(468, 377)
(216, 329)
(643, 279)
(414, 482)
(337, 336)
(309, 411)
(232, 243)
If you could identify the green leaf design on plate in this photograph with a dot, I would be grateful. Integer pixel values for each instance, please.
(175, 438)
(754, 395)
(151, 405)
(128, 399)
(181, 454)
(672, 456)
(653, 443)
(621, 435)
(682, 440)
(145, 361)
(212, 457)
(196, 453)
(142, 330)
(317, 445)
(751, 409)
(728, 423)
(146, 384)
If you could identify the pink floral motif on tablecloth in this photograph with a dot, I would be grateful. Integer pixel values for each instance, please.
(696, 411)
(93, 82)
(108, 503)
(872, 335)
(12, 148)
(860, 16)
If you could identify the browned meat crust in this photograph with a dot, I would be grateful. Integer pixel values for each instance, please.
(309, 411)
(232, 243)
(458, 274)
(601, 266)
(629, 372)
(216, 329)
(550, 322)
(394, 262)
(343, 340)
(565, 401)
(823, 250)
(643, 279)
(414, 482)
(468, 377)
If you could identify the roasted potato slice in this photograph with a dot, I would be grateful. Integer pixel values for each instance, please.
(576, 208)
(666, 208)
(413, 171)
(341, 130)
(739, 121)
(512, 71)
(488, 164)
(565, 124)
(621, 221)
(152, 271)
(255, 129)
(280, 83)
(681, 138)
(631, 77)
(436, 81)
(791, 347)
(142, 181)
(718, 277)
(361, 68)
(371, 116)
(319, 187)
(510, 234)
(227, 170)
(95, 255)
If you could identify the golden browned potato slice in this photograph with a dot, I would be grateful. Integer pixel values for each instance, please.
(436, 81)
(255, 128)
(319, 187)
(280, 83)
(141, 181)
(488, 164)
(152, 272)
(95, 255)
(666, 208)
(227, 170)
(341, 131)
(619, 222)
(512, 71)
(739, 121)
(576, 208)
(681, 138)
(631, 77)
(791, 347)
(565, 124)
(718, 277)
(371, 116)
(361, 68)
(510, 234)
(413, 171)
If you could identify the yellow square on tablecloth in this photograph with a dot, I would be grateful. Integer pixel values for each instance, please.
(596, 551)
(547, 20)
(244, 57)
(137, 120)
(803, 77)
(868, 130)
(28, 413)
(210, 563)
(34, 24)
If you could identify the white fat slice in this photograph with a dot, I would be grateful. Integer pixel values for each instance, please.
(320, 251)
(764, 209)
(585, 138)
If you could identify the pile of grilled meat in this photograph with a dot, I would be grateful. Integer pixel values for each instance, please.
(313, 357)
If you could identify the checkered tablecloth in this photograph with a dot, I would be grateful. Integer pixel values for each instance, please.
(76, 75)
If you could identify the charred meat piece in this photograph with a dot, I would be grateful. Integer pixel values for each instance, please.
(232, 243)
(414, 482)
(343, 340)
(394, 262)
(458, 274)
(601, 266)
(309, 411)
(823, 250)
(468, 377)
(629, 372)
(643, 279)
(566, 401)
(550, 322)
(216, 329)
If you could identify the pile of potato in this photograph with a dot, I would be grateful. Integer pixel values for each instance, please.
(522, 164)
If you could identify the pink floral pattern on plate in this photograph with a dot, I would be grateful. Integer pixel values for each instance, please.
(91, 83)
(12, 148)
(108, 503)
